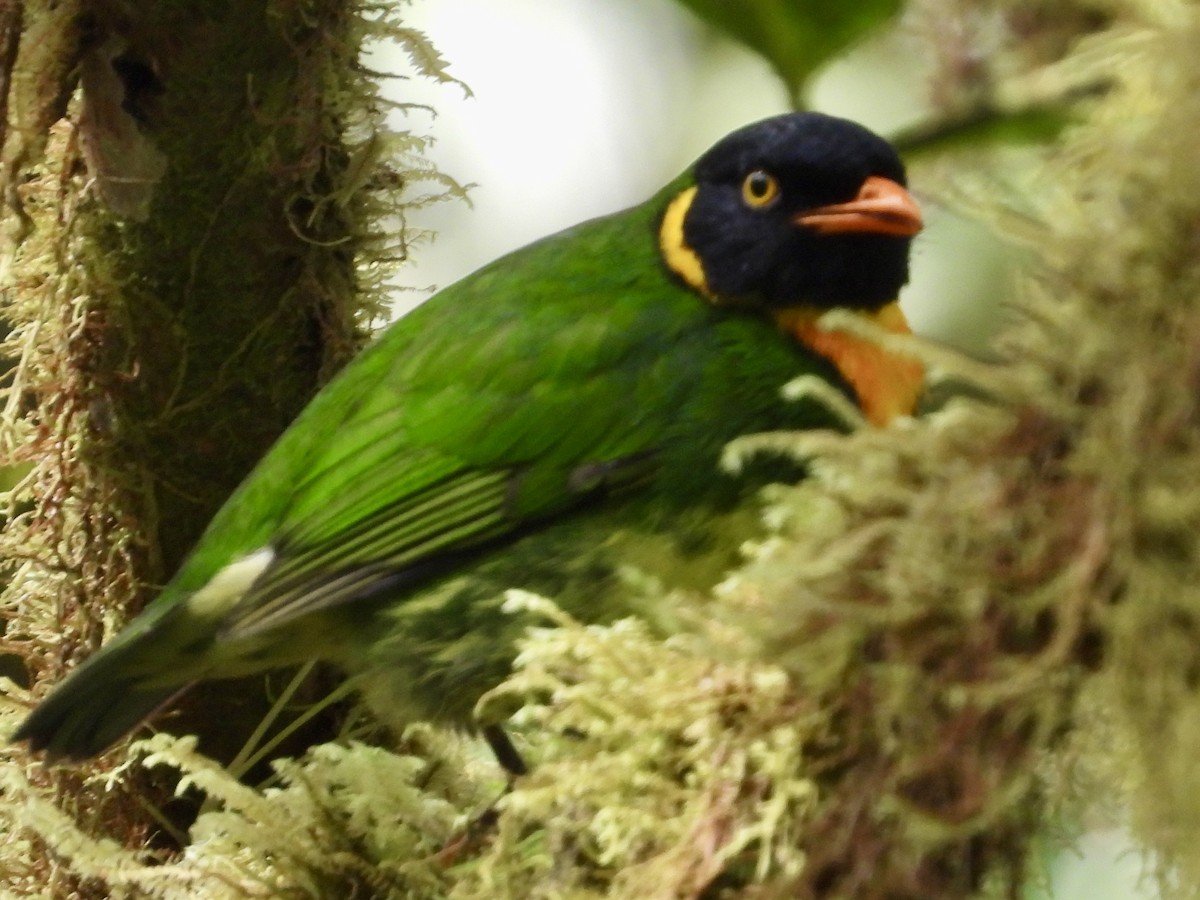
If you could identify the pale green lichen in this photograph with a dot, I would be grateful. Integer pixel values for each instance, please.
(658, 770)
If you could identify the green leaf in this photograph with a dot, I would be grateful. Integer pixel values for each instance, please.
(795, 36)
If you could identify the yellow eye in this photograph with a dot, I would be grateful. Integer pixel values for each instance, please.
(759, 189)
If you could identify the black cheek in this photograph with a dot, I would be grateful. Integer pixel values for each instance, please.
(739, 248)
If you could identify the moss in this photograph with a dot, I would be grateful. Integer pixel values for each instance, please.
(1010, 585)
(199, 199)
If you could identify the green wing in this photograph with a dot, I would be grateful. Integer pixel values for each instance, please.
(471, 418)
(545, 381)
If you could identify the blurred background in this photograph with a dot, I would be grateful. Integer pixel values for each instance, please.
(582, 107)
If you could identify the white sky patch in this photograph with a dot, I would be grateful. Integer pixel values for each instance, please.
(575, 114)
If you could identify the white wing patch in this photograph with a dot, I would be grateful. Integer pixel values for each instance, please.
(228, 586)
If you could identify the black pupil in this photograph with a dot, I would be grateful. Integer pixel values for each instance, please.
(759, 185)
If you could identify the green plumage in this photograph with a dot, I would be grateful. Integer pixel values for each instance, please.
(531, 426)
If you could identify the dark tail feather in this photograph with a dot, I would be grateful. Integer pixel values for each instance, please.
(92, 710)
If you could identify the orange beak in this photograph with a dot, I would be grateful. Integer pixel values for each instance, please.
(881, 207)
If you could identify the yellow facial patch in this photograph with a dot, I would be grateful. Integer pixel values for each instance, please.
(679, 257)
(887, 384)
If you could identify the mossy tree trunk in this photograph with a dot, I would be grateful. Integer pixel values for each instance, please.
(182, 198)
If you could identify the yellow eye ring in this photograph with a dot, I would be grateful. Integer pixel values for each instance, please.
(759, 188)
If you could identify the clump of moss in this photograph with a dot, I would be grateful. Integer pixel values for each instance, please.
(950, 593)
(659, 771)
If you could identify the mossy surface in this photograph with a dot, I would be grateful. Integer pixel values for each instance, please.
(201, 208)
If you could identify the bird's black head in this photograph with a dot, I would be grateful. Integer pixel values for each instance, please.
(798, 210)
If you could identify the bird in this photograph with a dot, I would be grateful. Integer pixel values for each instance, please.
(554, 416)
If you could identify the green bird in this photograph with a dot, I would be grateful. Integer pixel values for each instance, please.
(546, 420)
